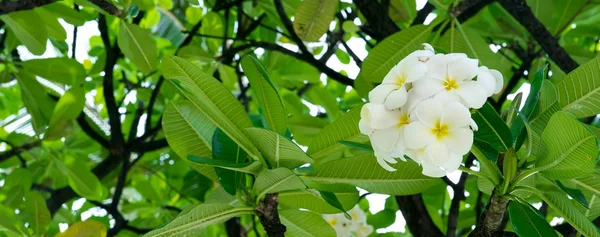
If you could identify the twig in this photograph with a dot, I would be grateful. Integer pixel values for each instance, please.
(379, 25)
(422, 14)
(16, 150)
(21, 5)
(356, 59)
(289, 27)
(108, 7)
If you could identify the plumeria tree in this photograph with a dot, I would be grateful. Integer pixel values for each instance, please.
(299, 118)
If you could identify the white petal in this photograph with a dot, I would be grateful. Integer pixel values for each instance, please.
(426, 87)
(417, 135)
(364, 128)
(445, 96)
(415, 154)
(415, 71)
(499, 80)
(486, 80)
(398, 151)
(437, 67)
(429, 112)
(432, 170)
(472, 95)
(459, 141)
(382, 160)
(428, 47)
(385, 139)
(437, 152)
(396, 99)
(380, 92)
(473, 125)
(395, 74)
(463, 69)
(452, 163)
(456, 115)
(379, 117)
(412, 102)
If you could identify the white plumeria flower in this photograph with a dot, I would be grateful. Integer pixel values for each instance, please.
(392, 92)
(385, 129)
(340, 224)
(441, 136)
(449, 78)
(490, 79)
(356, 227)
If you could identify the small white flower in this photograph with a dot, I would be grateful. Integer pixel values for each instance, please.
(340, 224)
(449, 78)
(356, 227)
(392, 91)
(490, 79)
(441, 136)
(385, 128)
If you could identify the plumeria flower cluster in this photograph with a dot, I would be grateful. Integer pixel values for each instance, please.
(356, 227)
(421, 110)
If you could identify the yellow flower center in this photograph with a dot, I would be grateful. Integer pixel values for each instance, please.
(332, 222)
(404, 120)
(450, 83)
(401, 80)
(440, 130)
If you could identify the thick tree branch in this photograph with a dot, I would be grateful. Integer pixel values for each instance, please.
(379, 25)
(491, 220)
(18, 149)
(151, 146)
(269, 216)
(8, 6)
(417, 218)
(87, 129)
(522, 13)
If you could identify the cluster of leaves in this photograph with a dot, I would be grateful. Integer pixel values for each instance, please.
(174, 123)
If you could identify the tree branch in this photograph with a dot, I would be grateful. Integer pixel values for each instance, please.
(422, 14)
(289, 27)
(379, 25)
(21, 5)
(87, 129)
(522, 13)
(491, 220)
(417, 218)
(18, 149)
(108, 7)
(459, 195)
(269, 216)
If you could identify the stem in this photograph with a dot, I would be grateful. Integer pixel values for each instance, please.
(269, 216)
(491, 220)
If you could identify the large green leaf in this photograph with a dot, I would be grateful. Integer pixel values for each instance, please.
(304, 224)
(564, 207)
(589, 182)
(546, 107)
(527, 222)
(65, 12)
(225, 149)
(579, 91)
(138, 45)
(319, 95)
(278, 150)
(325, 146)
(391, 50)
(276, 180)
(568, 149)
(55, 30)
(312, 18)
(492, 129)
(212, 99)
(517, 126)
(36, 213)
(266, 94)
(364, 172)
(311, 199)
(25, 26)
(199, 218)
(68, 107)
(36, 100)
(189, 132)
(66, 71)
(251, 167)
(81, 180)
(10, 223)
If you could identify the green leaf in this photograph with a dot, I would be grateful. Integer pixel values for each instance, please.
(11, 223)
(305, 128)
(527, 222)
(364, 172)
(250, 167)
(53, 27)
(276, 180)
(225, 149)
(189, 132)
(36, 100)
(356, 145)
(330, 198)
(325, 146)
(65, 71)
(25, 26)
(319, 95)
(266, 95)
(312, 199)
(305, 223)
(579, 91)
(138, 45)
(568, 150)
(36, 213)
(199, 218)
(589, 182)
(492, 129)
(212, 100)
(278, 150)
(87, 228)
(65, 12)
(517, 126)
(81, 180)
(563, 207)
(546, 107)
(69, 106)
(577, 195)
(391, 50)
(312, 18)
(342, 56)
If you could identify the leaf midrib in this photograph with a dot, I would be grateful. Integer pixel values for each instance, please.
(137, 44)
(315, 17)
(530, 221)
(492, 128)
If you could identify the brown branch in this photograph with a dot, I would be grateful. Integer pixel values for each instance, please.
(522, 13)
(269, 216)
(417, 218)
(459, 195)
(87, 129)
(8, 6)
(379, 25)
(16, 150)
(491, 220)
(108, 7)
